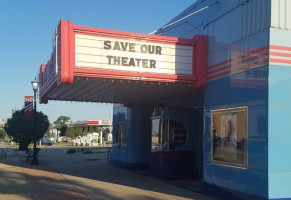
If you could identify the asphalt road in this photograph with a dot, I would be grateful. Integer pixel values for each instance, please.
(2, 148)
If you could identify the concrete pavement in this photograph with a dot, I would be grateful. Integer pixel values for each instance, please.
(80, 176)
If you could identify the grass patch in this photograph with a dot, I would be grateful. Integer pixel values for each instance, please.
(62, 144)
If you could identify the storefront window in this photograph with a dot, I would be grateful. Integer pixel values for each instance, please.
(119, 136)
(156, 139)
(229, 136)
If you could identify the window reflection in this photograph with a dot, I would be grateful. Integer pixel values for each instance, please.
(156, 139)
(167, 134)
(119, 136)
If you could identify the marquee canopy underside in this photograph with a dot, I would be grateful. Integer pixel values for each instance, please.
(123, 91)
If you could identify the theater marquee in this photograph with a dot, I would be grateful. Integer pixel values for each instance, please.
(82, 52)
(131, 55)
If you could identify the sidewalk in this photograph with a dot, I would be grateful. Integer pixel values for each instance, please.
(79, 176)
(19, 180)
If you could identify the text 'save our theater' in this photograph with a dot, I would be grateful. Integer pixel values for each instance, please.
(205, 98)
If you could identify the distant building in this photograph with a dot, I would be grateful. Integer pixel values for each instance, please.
(104, 123)
(2, 122)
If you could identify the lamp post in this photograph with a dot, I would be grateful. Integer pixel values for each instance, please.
(34, 84)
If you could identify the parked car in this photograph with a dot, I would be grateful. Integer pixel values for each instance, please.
(46, 141)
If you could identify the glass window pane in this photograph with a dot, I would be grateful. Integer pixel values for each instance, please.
(156, 134)
(120, 139)
(177, 134)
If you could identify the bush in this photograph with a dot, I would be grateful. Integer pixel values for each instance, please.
(71, 151)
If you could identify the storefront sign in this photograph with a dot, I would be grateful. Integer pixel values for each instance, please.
(105, 122)
(132, 55)
(99, 54)
(28, 106)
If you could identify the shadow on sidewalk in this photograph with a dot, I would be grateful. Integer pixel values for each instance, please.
(90, 176)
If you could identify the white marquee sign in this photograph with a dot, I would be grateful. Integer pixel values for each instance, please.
(132, 55)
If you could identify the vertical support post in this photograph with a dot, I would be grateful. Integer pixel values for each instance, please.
(101, 135)
(34, 159)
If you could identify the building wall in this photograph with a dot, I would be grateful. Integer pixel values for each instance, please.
(281, 14)
(137, 129)
(139, 145)
(120, 115)
(237, 75)
(279, 145)
(248, 65)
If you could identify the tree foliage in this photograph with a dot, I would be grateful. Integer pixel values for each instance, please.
(70, 133)
(26, 130)
(105, 130)
(2, 133)
(63, 130)
(62, 121)
(48, 132)
(61, 124)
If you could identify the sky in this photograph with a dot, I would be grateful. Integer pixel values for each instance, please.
(26, 31)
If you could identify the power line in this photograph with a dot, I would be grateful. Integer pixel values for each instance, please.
(193, 13)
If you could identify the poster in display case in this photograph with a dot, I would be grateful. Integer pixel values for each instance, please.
(229, 137)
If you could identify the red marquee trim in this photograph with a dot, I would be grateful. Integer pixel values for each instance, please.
(199, 61)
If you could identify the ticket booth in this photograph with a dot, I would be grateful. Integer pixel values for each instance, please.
(174, 144)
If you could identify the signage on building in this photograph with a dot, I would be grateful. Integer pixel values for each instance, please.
(84, 52)
(132, 55)
(105, 122)
(28, 106)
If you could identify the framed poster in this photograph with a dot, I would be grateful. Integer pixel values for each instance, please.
(229, 137)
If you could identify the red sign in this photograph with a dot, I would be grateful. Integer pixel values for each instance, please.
(28, 106)
(91, 122)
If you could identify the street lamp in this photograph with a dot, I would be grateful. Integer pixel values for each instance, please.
(34, 84)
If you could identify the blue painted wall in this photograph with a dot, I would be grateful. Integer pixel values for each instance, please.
(120, 115)
(254, 179)
(137, 129)
(237, 72)
(280, 116)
